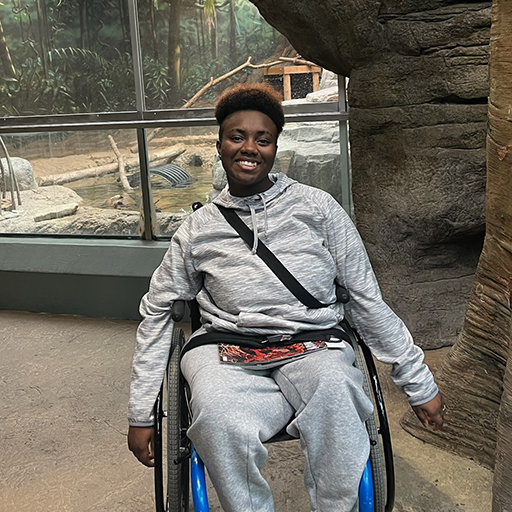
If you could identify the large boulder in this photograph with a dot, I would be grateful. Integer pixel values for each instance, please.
(310, 154)
(23, 172)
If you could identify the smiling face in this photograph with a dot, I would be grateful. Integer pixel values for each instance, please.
(247, 147)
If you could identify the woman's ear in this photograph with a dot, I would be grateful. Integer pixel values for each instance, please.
(218, 147)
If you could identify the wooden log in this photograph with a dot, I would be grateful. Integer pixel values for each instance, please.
(120, 162)
(62, 179)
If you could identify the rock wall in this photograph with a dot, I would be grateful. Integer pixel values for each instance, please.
(418, 108)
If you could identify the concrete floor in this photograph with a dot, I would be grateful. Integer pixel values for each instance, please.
(63, 394)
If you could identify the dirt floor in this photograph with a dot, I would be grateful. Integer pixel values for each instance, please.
(64, 387)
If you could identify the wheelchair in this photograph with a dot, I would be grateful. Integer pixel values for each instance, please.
(179, 471)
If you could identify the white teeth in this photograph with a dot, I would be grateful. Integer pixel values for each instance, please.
(250, 164)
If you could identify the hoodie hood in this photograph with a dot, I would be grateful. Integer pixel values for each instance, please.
(256, 202)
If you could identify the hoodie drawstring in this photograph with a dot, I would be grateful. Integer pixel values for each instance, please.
(255, 225)
(254, 229)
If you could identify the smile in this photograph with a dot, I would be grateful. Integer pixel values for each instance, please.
(247, 163)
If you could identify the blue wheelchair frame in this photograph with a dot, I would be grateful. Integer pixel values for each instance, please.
(200, 496)
(182, 458)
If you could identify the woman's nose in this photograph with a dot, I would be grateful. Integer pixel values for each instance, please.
(249, 146)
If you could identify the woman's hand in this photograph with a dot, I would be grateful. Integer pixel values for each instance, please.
(431, 413)
(141, 441)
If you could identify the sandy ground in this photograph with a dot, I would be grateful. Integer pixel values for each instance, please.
(64, 388)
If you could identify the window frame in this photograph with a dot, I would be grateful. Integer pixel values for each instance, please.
(143, 119)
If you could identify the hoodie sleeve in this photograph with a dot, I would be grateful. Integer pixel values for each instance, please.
(382, 330)
(175, 279)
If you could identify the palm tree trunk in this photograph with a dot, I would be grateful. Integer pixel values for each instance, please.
(215, 45)
(84, 25)
(5, 55)
(210, 16)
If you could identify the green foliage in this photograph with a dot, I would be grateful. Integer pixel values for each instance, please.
(101, 84)
(157, 83)
(77, 80)
(87, 66)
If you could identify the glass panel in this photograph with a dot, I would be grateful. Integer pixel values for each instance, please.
(70, 184)
(186, 44)
(308, 152)
(65, 57)
(178, 182)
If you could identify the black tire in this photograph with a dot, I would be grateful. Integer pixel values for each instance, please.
(376, 451)
(178, 462)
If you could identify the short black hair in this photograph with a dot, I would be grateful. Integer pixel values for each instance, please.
(261, 97)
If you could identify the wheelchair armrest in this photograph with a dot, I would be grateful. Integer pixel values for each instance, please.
(178, 310)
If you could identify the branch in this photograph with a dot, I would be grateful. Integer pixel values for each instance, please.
(12, 176)
(296, 60)
(265, 64)
(215, 81)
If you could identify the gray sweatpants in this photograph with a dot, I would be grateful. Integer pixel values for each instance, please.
(235, 410)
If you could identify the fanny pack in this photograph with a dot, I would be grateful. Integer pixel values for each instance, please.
(243, 340)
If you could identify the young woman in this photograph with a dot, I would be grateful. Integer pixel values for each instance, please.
(319, 396)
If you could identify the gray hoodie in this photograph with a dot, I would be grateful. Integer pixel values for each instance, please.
(316, 241)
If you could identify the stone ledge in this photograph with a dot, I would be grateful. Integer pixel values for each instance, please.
(57, 212)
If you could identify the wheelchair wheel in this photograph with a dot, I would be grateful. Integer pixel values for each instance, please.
(172, 470)
(178, 445)
(376, 453)
(381, 457)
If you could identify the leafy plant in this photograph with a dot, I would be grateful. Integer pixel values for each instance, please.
(87, 65)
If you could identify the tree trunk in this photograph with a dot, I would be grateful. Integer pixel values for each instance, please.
(5, 55)
(43, 34)
(475, 378)
(154, 36)
(84, 24)
(124, 17)
(232, 32)
(499, 221)
(214, 40)
(174, 52)
(203, 44)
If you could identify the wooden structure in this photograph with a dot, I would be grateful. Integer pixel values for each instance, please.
(287, 71)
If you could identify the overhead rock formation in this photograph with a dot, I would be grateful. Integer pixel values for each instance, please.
(418, 108)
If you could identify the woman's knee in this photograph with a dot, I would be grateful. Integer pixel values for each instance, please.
(334, 372)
